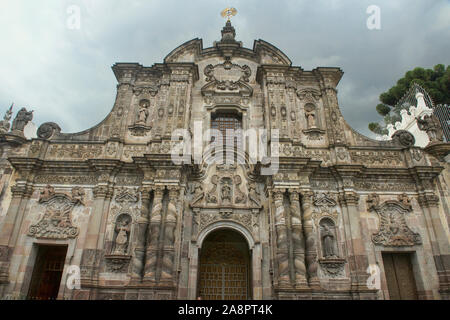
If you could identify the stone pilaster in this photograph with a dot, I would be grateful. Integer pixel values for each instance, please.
(357, 257)
(310, 237)
(298, 240)
(429, 203)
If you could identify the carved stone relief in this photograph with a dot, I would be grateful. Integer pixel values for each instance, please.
(393, 230)
(57, 222)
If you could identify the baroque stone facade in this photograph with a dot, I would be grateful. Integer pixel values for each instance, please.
(135, 222)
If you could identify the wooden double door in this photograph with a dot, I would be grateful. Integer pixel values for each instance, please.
(399, 276)
(224, 270)
(47, 272)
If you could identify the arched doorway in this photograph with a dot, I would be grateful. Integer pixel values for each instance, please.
(224, 270)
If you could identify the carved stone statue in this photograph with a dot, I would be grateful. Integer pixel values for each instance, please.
(143, 112)
(198, 192)
(4, 124)
(253, 194)
(226, 191)
(123, 230)
(21, 120)
(431, 125)
(328, 242)
(310, 114)
(211, 195)
(240, 196)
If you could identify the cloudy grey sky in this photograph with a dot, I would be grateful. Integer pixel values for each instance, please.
(65, 76)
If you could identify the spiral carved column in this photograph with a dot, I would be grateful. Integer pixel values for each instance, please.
(167, 271)
(142, 225)
(282, 256)
(153, 235)
(310, 236)
(298, 240)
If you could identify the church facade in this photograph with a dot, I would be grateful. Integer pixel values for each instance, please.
(108, 213)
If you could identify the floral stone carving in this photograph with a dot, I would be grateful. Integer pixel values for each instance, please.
(56, 222)
(393, 230)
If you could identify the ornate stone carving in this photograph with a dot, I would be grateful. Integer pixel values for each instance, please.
(240, 197)
(298, 240)
(393, 230)
(168, 259)
(253, 194)
(404, 138)
(117, 263)
(56, 222)
(211, 196)
(77, 151)
(21, 120)
(47, 130)
(226, 191)
(309, 94)
(198, 192)
(122, 235)
(4, 124)
(377, 157)
(282, 256)
(430, 124)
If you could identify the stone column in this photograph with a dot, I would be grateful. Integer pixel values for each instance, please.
(298, 241)
(282, 255)
(168, 259)
(429, 203)
(142, 226)
(310, 236)
(153, 235)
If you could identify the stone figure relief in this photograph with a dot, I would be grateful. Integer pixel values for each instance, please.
(240, 196)
(430, 124)
(198, 192)
(21, 120)
(310, 113)
(122, 235)
(328, 237)
(143, 111)
(211, 196)
(168, 258)
(226, 191)
(253, 194)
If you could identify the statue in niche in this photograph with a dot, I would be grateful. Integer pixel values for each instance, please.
(211, 195)
(143, 111)
(328, 239)
(198, 192)
(310, 113)
(253, 194)
(21, 120)
(431, 125)
(240, 196)
(122, 235)
(226, 191)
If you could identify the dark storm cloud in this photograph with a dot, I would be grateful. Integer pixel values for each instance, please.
(65, 75)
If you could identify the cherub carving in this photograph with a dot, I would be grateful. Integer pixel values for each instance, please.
(211, 195)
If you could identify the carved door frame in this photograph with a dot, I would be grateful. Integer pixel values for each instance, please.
(32, 259)
(254, 252)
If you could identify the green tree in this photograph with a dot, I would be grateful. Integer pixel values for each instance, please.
(435, 81)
